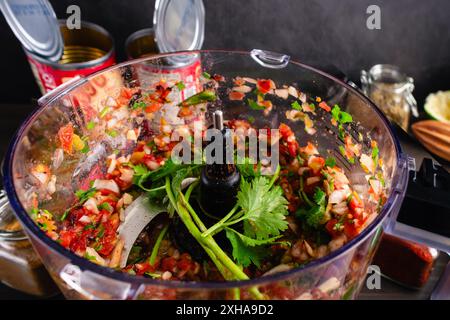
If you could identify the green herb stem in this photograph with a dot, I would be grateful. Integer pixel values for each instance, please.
(155, 250)
(218, 256)
(275, 176)
(194, 215)
(220, 223)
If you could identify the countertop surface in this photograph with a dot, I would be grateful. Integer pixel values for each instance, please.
(11, 116)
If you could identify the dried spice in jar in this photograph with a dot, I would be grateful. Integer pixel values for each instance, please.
(391, 91)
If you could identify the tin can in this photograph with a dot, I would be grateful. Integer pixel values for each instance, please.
(188, 71)
(141, 44)
(86, 50)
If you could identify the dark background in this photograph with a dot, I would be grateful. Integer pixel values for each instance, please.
(414, 35)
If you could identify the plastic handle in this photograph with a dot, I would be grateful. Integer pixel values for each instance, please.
(64, 87)
(270, 59)
(71, 275)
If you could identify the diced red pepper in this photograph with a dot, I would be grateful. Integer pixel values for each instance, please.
(168, 264)
(65, 135)
(264, 85)
(325, 106)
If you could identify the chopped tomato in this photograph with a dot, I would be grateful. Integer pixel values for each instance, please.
(218, 78)
(325, 106)
(236, 96)
(293, 147)
(238, 81)
(264, 86)
(66, 237)
(316, 163)
(108, 240)
(310, 149)
(356, 206)
(331, 229)
(185, 112)
(65, 135)
(168, 264)
(125, 96)
(350, 229)
(153, 107)
(144, 267)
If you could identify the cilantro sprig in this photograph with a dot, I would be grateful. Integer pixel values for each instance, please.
(314, 214)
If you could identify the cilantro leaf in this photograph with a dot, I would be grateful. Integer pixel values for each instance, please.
(335, 112)
(143, 177)
(203, 96)
(295, 105)
(90, 125)
(138, 105)
(330, 162)
(345, 117)
(341, 116)
(140, 170)
(247, 168)
(253, 242)
(319, 196)
(180, 85)
(264, 208)
(315, 214)
(112, 133)
(253, 105)
(375, 153)
(105, 206)
(312, 216)
(84, 195)
(243, 254)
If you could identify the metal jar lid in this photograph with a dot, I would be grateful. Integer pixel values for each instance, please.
(179, 25)
(34, 23)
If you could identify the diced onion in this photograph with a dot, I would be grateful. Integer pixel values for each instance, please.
(110, 185)
(91, 205)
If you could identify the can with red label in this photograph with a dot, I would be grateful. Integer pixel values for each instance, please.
(55, 52)
(188, 71)
(86, 50)
(165, 36)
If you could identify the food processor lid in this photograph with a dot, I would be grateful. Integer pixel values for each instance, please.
(179, 25)
(34, 23)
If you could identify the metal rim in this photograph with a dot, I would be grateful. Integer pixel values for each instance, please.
(87, 265)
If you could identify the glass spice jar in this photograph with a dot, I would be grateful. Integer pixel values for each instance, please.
(391, 90)
(20, 267)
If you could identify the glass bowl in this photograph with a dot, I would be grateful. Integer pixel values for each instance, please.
(339, 275)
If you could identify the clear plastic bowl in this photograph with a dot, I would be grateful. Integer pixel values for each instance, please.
(337, 275)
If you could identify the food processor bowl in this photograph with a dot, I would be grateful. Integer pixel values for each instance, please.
(338, 275)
